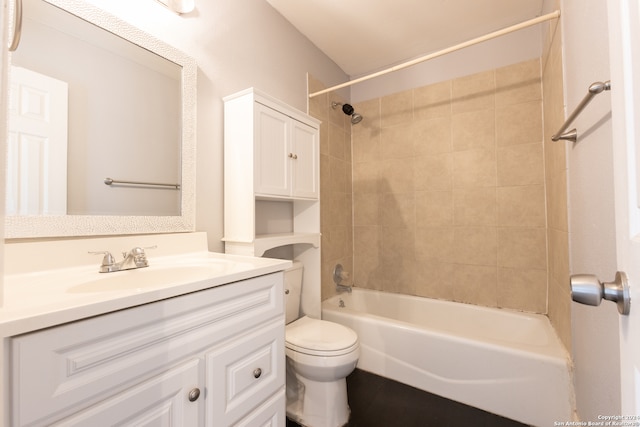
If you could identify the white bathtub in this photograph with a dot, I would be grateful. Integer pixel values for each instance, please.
(502, 361)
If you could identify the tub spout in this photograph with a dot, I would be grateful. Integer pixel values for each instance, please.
(343, 288)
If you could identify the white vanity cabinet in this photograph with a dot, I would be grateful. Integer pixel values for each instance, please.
(209, 358)
(286, 154)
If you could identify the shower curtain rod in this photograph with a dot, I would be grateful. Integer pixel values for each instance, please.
(516, 27)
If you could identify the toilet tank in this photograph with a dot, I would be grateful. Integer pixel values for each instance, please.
(292, 291)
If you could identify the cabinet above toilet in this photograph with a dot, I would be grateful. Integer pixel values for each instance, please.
(271, 155)
(272, 184)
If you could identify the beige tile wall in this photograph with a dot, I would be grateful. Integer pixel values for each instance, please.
(559, 301)
(449, 191)
(335, 185)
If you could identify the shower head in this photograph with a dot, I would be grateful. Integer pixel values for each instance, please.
(349, 111)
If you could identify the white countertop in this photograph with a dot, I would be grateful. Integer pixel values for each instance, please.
(37, 296)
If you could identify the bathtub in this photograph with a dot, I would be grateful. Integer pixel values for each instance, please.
(502, 361)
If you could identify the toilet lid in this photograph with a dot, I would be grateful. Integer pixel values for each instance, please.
(320, 337)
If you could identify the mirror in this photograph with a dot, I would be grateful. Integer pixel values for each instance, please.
(129, 101)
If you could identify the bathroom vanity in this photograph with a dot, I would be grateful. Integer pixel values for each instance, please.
(196, 338)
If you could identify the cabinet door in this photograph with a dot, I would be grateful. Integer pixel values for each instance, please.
(305, 147)
(165, 400)
(272, 152)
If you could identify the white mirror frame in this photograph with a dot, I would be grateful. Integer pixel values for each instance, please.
(91, 225)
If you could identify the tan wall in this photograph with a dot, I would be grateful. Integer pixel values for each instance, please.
(559, 304)
(448, 191)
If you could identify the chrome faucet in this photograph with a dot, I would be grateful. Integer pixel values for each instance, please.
(135, 258)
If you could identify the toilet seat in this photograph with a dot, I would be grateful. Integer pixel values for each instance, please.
(320, 337)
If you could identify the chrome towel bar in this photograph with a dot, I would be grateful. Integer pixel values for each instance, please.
(109, 181)
(572, 135)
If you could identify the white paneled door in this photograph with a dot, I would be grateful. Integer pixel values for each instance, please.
(37, 144)
(624, 34)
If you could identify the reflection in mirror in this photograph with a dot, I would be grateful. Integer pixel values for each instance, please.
(94, 98)
(123, 106)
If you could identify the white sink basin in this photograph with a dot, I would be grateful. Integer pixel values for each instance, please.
(47, 284)
(161, 273)
(51, 286)
(154, 276)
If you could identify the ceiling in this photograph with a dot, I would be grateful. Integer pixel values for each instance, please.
(363, 36)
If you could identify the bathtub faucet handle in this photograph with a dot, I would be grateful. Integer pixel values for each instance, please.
(339, 275)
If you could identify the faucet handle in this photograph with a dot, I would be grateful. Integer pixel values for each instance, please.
(108, 258)
(140, 257)
(138, 251)
(108, 261)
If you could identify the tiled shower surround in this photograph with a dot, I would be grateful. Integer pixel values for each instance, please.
(447, 191)
(336, 209)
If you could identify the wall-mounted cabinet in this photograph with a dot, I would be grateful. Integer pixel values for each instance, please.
(271, 153)
(271, 183)
(286, 155)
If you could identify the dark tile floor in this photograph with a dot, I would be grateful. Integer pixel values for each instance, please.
(379, 402)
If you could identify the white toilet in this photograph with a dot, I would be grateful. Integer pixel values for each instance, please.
(320, 355)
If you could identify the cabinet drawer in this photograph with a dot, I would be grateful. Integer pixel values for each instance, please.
(270, 414)
(61, 370)
(245, 373)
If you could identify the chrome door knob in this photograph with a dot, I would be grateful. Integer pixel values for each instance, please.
(587, 289)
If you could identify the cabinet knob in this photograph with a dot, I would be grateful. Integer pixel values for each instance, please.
(295, 156)
(257, 373)
(291, 155)
(194, 394)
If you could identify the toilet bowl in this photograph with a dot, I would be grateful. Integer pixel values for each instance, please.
(320, 355)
